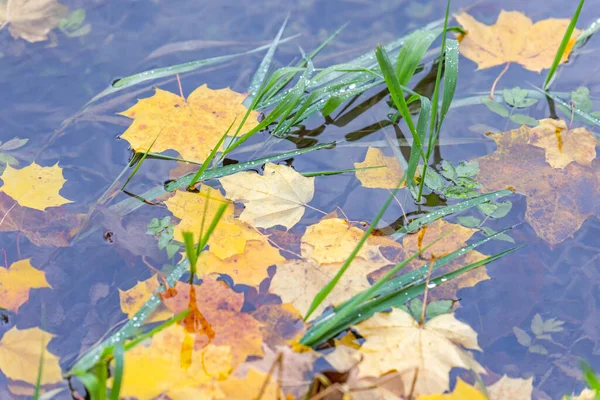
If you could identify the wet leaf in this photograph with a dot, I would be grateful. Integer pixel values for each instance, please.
(277, 197)
(558, 181)
(396, 342)
(503, 236)
(511, 388)
(462, 391)
(522, 337)
(586, 394)
(517, 97)
(31, 20)
(250, 386)
(282, 323)
(20, 353)
(514, 38)
(495, 107)
(469, 221)
(34, 186)
(191, 127)
(537, 325)
(538, 349)
(133, 299)
(383, 178)
(524, 120)
(17, 281)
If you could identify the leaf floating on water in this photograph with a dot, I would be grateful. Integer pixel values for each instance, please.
(251, 386)
(34, 186)
(462, 391)
(192, 127)
(31, 20)
(20, 354)
(396, 342)
(511, 388)
(514, 38)
(16, 282)
(552, 166)
(278, 197)
(133, 299)
(383, 178)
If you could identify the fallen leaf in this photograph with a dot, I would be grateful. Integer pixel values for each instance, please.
(31, 19)
(20, 354)
(382, 178)
(511, 388)
(17, 281)
(192, 127)
(251, 386)
(171, 363)
(559, 200)
(586, 394)
(514, 38)
(216, 318)
(396, 342)
(462, 391)
(133, 299)
(277, 197)
(34, 186)
(281, 323)
(54, 227)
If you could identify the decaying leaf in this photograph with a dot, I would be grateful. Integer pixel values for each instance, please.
(559, 199)
(17, 281)
(171, 363)
(511, 388)
(34, 186)
(20, 354)
(383, 178)
(514, 38)
(277, 197)
(215, 317)
(462, 391)
(281, 323)
(396, 342)
(133, 299)
(191, 127)
(31, 19)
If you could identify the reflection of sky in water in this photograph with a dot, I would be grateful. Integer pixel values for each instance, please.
(43, 86)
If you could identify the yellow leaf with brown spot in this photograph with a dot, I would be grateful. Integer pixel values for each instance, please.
(34, 186)
(383, 178)
(511, 388)
(248, 267)
(282, 323)
(462, 391)
(514, 39)
(20, 354)
(215, 317)
(192, 127)
(171, 363)
(17, 281)
(277, 197)
(133, 299)
(250, 387)
(560, 199)
(31, 20)
(396, 342)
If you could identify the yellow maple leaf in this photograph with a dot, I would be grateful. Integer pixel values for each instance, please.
(16, 281)
(514, 38)
(191, 127)
(133, 299)
(31, 19)
(462, 391)
(274, 317)
(383, 178)
(34, 186)
(511, 388)
(396, 342)
(20, 354)
(277, 197)
(558, 199)
(169, 364)
(250, 387)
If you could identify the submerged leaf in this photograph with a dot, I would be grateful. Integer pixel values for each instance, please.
(16, 281)
(386, 177)
(133, 299)
(31, 20)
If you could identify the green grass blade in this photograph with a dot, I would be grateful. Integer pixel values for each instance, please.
(209, 159)
(586, 116)
(139, 163)
(563, 45)
(339, 171)
(587, 33)
(450, 78)
(190, 250)
(415, 154)
(590, 377)
(38, 379)
(119, 357)
(412, 53)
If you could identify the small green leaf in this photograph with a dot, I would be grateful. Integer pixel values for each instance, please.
(517, 97)
(581, 99)
(467, 182)
(13, 144)
(545, 336)
(495, 106)
(467, 169)
(553, 325)
(172, 249)
(495, 210)
(538, 349)
(433, 180)
(469, 221)
(522, 337)
(448, 170)
(165, 222)
(163, 240)
(503, 236)
(416, 308)
(524, 120)
(459, 192)
(537, 325)
(73, 21)
(438, 307)
(154, 227)
(8, 159)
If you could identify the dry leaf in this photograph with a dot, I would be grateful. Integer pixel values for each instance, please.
(277, 197)
(396, 342)
(511, 388)
(192, 127)
(383, 178)
(514, 38)
(34, 186)
(16, 281)
(133, 299)
(462, 391)
(559, 200)
(31, 19)
(20, 354)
